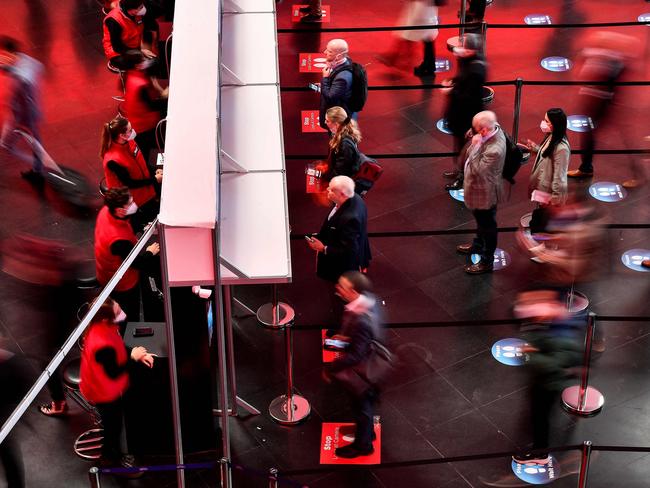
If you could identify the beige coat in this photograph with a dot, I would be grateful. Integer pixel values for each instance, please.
(483, 180)
(550, 174)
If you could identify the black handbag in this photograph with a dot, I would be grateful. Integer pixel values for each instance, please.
(371, 373)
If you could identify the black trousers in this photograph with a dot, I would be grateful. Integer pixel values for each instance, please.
(129, 301)
(112, 416)
(485, 241)
(363, 408)
(12, 461)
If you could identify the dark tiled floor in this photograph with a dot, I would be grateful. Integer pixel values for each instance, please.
(448, 397)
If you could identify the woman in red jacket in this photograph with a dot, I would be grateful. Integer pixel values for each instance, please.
(124, 165)
(104, 376)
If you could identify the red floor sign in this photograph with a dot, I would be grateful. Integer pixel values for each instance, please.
(309, 121)
(296, 13)
(341, 434)
(328, 356)
(311, 62)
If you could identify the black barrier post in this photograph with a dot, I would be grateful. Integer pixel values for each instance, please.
(515, 123)
(484, 27)
(584, 464)
(93, 476)
(583, 399)
(273, 478)
(224, 466)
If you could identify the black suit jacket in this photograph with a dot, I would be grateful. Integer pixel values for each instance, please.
(346, 238)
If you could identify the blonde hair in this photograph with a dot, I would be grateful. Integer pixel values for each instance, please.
(347, 127)
(110, 131)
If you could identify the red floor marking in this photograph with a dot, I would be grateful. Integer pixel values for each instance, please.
(332, 437)
(296, 14)
(328, 356)
(311, 62)
(309, 121)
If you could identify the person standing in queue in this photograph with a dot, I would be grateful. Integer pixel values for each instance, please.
(104, 377)
(124, 165)
(114, 240)
(343, 157)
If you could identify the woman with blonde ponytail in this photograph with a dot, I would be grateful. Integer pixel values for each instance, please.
(343, 158)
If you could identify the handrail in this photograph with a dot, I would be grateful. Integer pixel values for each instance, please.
(75, 335)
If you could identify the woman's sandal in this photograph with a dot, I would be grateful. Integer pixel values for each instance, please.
(54, 409)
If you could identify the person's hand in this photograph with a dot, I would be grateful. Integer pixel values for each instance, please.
(316, 245)
(148, 53)
(138, 353)
(159, 175)
(327, 70)
(147, 360)
(154, 248)
(448, 82)
(531, 145)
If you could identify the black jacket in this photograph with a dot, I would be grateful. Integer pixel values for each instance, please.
(343, 161)
(466, 96)
(346, 238)
(336, 90)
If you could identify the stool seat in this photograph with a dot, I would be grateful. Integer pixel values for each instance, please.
(71, 374)
(89, 444)
(103, 187)
(487, 95)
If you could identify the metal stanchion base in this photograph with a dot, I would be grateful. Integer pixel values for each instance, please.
(285, 314)
(577, 302)
(453, 42)
(283, 415)
(594, 401)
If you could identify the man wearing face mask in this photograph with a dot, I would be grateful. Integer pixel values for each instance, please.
(465, 98)
(483, 158)
(336, 85)
(124, 29)
(124, 165)
(114, 240)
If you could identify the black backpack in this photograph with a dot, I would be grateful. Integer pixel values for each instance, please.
(359, 87)
(514, 158)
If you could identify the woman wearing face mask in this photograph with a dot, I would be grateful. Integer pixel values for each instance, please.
(124, 165)
(105, 378)
(548, 178)
(124, 29)
(343, 157)
(114, 240)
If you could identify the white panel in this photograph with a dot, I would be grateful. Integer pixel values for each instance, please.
(249, 47)
(249, 5)
(254, 225)
(189, 192)
(250, 131)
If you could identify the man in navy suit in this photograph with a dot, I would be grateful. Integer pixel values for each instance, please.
(342, 243)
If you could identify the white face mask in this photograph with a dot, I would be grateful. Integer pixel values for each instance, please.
(543, 125)
(132, 135)
(142, 11)
(131, 209)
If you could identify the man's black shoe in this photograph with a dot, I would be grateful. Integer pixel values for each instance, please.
(33, 176)
(311, 18)
(539, 459)
(456, 185)
(479, 268)
(351, 451)
(464, 248)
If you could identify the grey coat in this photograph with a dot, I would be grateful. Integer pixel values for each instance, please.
(549, 174)
(483, 180)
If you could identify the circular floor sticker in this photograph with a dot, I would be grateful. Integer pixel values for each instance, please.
(501, 259)
(556, 64)
(443, 127)
(580, 123)
(442, 65)
(537, 474)
(458, 195)
(634, 257)
(509, 352)
(537, 19)
(644, 18)
(606, 191)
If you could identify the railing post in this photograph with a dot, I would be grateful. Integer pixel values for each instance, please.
(584, 399)
(93, 476)
(461, 31)
(515, 122)
(273, 478)
(584, 464)
(224, 469)
(484, 27)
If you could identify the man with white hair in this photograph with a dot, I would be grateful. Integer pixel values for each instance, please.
(336, 85)
(484, 156)
(342, 243)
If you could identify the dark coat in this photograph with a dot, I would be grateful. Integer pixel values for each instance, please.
(466, 96)
(346, 238)
(343, 161)
(336, 90)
